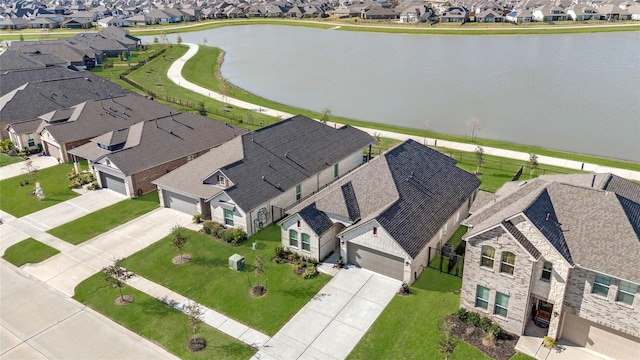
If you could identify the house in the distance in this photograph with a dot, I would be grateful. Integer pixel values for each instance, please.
(250, 180)
(386, 214)
(559, 256)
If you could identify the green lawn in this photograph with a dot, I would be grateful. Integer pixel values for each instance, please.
(29, 251)
(414, 334)
(8, 160)
(521, 356)
(208, 280)
(101, 221)
(17, 201)
(157, 322)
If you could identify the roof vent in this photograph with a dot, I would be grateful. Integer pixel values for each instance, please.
(285, 155)
(263, 178)
(547, 218)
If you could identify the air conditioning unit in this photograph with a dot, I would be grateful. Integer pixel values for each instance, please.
(236, 262)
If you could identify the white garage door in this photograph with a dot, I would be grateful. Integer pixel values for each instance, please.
(599, 338)
(114, 183)
(374, 260)
(180, 202)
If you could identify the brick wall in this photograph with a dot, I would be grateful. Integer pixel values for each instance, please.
(142, 180)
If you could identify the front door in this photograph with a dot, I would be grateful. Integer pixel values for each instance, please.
(543, 313)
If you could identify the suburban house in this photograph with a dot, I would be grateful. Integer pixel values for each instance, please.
(128, 159)
(64, 129)
(34, 98)
(455, 14)
(250, 180)
(385, 215)
(24, 135)
(559, 254)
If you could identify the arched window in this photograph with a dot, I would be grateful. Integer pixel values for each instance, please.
(306, 242)
(293, 238)
(508, 262)
(488, 254)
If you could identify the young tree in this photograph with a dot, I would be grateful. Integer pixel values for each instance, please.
(479, 158)
(179, 39)
(259, 268)
(533, 164)
(30, 169)
(205, 41)
(116, 276)
(447, 342)
(194, 314)
(156, 40)
(325, 114)
(223, 88)
(475, 125)
(202, 108)
(178, 239)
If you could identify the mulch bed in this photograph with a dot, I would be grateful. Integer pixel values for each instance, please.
(196, 344)
(125, 300)
(258, 291)
(181, 260)
(503, 349)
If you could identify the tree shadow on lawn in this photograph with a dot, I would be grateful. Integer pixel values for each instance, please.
(432, 280)
(227, 349)
(296, 293)
(209, 262)
(156, 307)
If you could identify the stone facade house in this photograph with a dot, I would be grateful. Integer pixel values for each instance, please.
(386, 214)
(250, 180)
(559, 254)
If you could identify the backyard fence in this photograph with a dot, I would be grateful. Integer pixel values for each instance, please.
(447, 259)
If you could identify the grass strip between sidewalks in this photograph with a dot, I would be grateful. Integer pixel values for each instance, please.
(29, 251)
(103, 220)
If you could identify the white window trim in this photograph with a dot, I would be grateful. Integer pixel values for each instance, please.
(291, 231)
(479, 298)
(502, 262)
(483, 256)
(550, 271)
(607, 286)
(620, 290)
(497, 305)
(231, 219)
(302, 243)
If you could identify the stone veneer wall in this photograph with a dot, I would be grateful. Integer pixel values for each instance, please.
(605, 311)
(516, 286)
(554, 290)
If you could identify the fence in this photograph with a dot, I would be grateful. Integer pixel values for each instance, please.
(471, 161)
(449, 261)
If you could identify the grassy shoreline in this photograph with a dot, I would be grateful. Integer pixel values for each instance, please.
(354, 25)
(204, 70)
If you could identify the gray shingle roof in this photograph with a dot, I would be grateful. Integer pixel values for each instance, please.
(411, 190)
(317, 220)
(351, 201)
(310, 146)
(26, 127)
(542, 214)
(11, 80)
(281, 156)
(623, 187)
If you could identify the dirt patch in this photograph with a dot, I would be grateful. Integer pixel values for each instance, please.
(196, 344)
(125, 300)
(181, 260)
(502, 349)
(258, 291)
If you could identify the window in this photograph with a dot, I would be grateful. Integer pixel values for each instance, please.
(626, 292)
(293, 238)
(601, 285)
(508, 262)
(298, 223)
(546, 271)
(222, 181)
(228, 217)
(482, 297)
(306, 242)
(375, 230)
(336, 171)
(502, 304)
(190, 157)
(298, 192)
(30, 141)
(488, 254)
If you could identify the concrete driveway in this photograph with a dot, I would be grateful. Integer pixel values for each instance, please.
(41, 162)
(40, 323)
(75, 264)
(333, 322)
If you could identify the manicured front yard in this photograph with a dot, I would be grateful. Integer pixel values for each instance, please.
(29, 251)
(408, 327)
(18, 201)
(8, 160)
(208, 280)
(157, 322)
(101, 221)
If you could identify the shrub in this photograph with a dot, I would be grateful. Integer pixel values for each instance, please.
(485, 323)
(549, 342)
(462, 314)
(405, 289)
(488, 340)
(310, 272)
(474, 318)
(197, 218)
(495, 330)
(237, 235)
(93, 186)
(212, 228)
(281, 252)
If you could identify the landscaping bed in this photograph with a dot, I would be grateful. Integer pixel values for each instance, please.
(503, 348)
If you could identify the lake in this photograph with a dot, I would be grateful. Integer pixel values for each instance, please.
(573, 92)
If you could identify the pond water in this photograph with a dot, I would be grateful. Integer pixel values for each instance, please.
(573, 92)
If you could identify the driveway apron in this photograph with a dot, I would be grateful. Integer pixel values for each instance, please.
(331, 324)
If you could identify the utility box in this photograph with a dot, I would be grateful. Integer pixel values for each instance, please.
(236, 262)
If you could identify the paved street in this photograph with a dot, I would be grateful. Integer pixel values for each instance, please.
(40, 162)
(41, 323)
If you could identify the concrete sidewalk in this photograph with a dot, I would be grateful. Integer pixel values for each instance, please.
(40, 323)
(40, 162)
(330, 325)
(75, 264)
(175, 75)
(239, 331)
